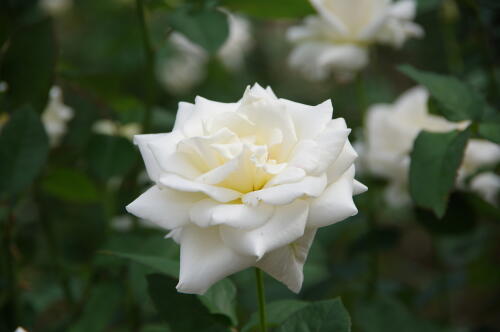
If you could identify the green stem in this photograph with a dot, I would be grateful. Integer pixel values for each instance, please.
(149, 57)
(361, 97)
(262, 299)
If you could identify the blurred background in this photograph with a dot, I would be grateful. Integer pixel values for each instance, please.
(396, 269)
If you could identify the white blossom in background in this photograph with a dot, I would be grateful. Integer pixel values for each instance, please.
(238, 43)
(390, 130)
(56, 116)
(56, 7)
(487, 185)
(187, 67)
(337, 40)
(20, 329)
(113, 128)
(247, 184)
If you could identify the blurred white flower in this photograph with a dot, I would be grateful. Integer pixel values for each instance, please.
(55, 116)
(487, 185)
(113, 128)
(247, 184)
(56, 7)
(187, 67)
(388, 140)
(337, 40)
(3, 86)
(20, 329)
(238, 43)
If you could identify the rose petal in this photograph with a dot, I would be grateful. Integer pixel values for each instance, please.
(358, 187)
(285, 226)
(309, 186)
(166, 208)
(335, 204)
(208, 212)
(220, 194)
(286, 263)
(342, 163)
(315, 156)
(205, 260)
(204, 110)
(184, 111)
(309, 120)
(152, 167)
(336, 22)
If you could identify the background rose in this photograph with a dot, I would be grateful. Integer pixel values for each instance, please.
(247, 183)
(337, 39)
(390, 131)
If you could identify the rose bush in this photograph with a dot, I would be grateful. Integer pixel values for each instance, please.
(337, 39)
(390, 131)
(247, 184)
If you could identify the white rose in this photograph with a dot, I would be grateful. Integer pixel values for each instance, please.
(187, 67)
(390, 131)
(247, 184)
(337, 40)
(56, 115)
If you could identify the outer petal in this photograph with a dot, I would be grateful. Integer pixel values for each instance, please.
(285, 226)
(358, 187)
(205, 260)
(204, 109)
(184, 111)
(208, 212)
(179, 183)
(152, 167)
(286, 263)
(342, 163)
(165, 207)
(335, 204)
(309, 120)
(310, 186)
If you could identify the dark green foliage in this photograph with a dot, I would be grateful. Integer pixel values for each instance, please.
(434, 163)
(23, 150)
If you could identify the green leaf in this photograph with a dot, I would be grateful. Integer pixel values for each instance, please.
(322, 316)
(277, 313)
(28, 66)
(160, 264)
(23, 150)
(387, 314)
(275, 9)
(207, 27)
(110, 156)
(171, 306)
(221, 299)
(70, 185)
(457, 100)
(424, 6)
(104, 301)
(490, 131)
(435, 160)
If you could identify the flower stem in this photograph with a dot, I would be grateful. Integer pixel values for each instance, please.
(262, 299)
(149, 57)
